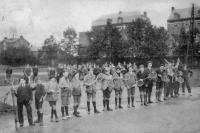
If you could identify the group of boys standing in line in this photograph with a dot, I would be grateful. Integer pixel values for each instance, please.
(68, 81)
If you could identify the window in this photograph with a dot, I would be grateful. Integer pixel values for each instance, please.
(175, 25)
(120, 20)
(109, 21)
(198, 11)
(176, 16)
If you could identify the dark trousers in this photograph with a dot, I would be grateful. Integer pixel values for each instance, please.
(186, 83)
(34, 77)
(176, 87)
(159, 86)
(106, 94)
(166, 89)
(149, 91)
(171, 87)
(20, 112)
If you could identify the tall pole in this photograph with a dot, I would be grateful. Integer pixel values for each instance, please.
(192, 34)
(191, 44)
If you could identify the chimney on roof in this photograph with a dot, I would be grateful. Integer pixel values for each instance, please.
(145, 14)
(21, 36)
(172, 9)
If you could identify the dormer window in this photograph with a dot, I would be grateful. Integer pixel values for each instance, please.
(198, 11)
(120, 20)
(176, 16)
(109, 21)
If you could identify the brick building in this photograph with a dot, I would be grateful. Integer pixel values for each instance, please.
(181, 18)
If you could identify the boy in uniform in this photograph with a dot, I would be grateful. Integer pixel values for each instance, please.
(149, 82)
(118, 87)
(35, 72)
(76, 92)
(130, 82)
(90, 82)
(8, 74)
(142, 76)
(39, 95)
(159, 83)
(65, 87)
(106, 88)
(27, 74)
(186, 74)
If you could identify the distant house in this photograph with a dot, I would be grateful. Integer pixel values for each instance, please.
(13, 42)
(120, 20)
(180, 18)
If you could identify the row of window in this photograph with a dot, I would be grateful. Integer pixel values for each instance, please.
(119, 20)
(184, 24)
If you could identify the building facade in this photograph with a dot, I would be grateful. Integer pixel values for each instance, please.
(14, 42)
(120, 20)
(181, 18)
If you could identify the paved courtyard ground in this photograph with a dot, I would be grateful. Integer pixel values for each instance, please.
(176, 115)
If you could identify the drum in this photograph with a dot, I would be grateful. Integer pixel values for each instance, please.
(89, 89)
(140, 83)
(180, 80)
(52, 96)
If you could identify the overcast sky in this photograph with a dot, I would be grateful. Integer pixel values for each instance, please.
(38, 19)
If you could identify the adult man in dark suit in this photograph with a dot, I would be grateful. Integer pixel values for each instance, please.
(24, 98)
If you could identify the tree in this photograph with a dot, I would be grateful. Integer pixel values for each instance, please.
(146, 40)
(185, 42)
(68, 44)
(105, 42)
(50, 50)
(18, 56)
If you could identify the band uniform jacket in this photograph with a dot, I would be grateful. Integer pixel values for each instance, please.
(186, 74)
(76, 87)
(143, 76)
(130, 79)
(39, 91)
(35, 70)
(165, 77)
(159, 75)
(52, 73)
(9, 71)
(24, 94)
(27, 71)
(149, 81)
(65, 86)
(106, 82)
(52, 91)
(89, 82)
(118, 81)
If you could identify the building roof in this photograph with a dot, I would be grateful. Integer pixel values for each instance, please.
(127, 18)
(183, 13)
(14, 42)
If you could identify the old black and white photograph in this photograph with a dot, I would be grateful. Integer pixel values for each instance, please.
(99, 66)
